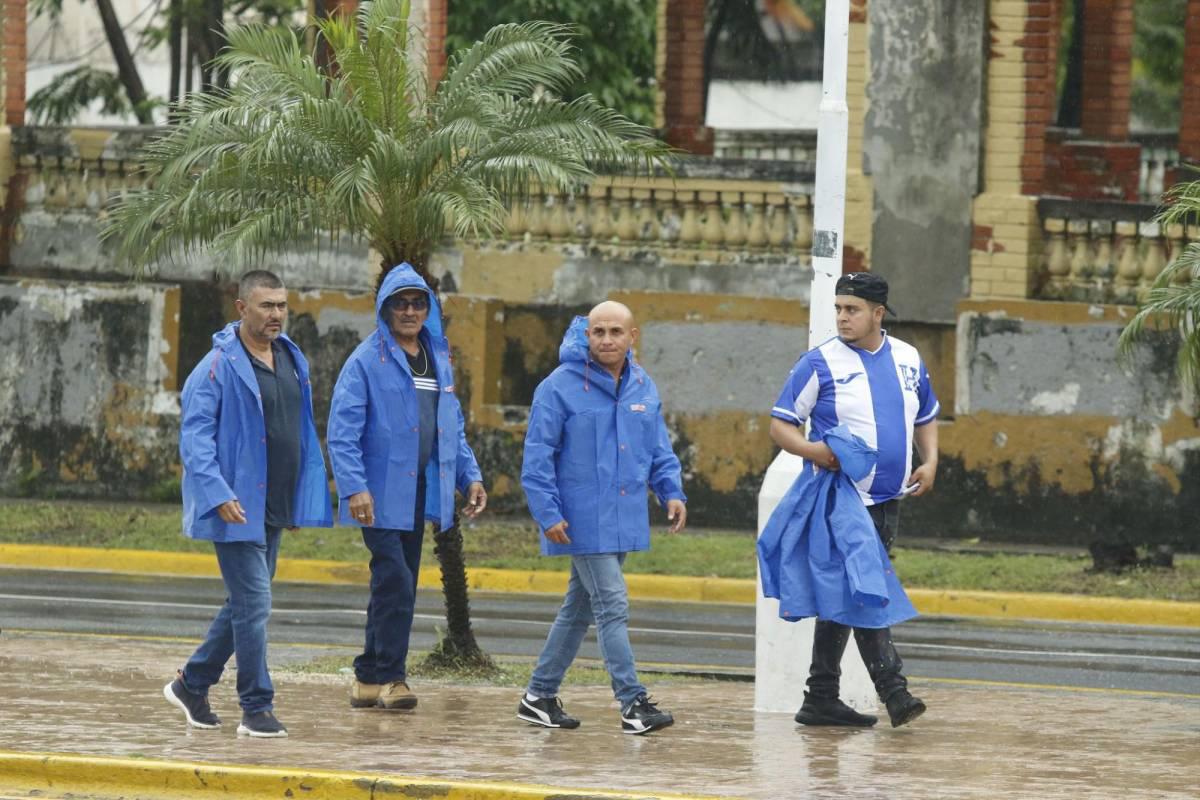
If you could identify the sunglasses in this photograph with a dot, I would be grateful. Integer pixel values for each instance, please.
(401, 304)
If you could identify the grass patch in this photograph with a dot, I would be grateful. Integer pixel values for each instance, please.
(509, 544)
(507, 673)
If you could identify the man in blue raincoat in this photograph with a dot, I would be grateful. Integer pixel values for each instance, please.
(596, 441)
(398, 446)
(878, 388)
(252, 466)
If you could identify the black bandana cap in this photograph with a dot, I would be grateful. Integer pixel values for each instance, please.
(868, 286)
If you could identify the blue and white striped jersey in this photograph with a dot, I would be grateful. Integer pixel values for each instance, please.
(881, 396)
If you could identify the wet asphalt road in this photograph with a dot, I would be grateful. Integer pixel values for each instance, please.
(698, 637)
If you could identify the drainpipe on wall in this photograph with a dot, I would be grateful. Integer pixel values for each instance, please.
(783, 650)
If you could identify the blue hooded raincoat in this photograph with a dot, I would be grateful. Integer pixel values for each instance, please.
(819, 553)
(223, 445)
(590, 453)
(375, 417)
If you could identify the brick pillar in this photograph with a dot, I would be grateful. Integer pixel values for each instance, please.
(680, 71)
(1107, 69)
(13, 49)
(435, 39)
(1039, 51)
(1189, 116)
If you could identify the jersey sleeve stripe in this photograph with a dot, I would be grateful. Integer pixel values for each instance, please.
(922, 420)
(783, 413)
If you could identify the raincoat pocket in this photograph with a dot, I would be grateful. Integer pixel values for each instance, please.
(579, 441)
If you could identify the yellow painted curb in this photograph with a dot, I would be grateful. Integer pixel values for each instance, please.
(947, 602)
(64, 775)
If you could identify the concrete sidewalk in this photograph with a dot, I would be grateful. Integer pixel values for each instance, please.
(947, 602)
(98, 698)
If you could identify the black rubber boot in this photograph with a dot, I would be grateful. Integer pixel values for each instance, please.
(884, 666)
(831, 711)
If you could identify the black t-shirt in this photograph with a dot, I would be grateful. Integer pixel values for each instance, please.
(425, 380)
(281, 397)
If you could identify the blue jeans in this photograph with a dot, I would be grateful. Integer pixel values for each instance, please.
(395, 567)
(596, 592)
(240, 627)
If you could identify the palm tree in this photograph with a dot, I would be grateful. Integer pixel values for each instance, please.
(1174, 299)
(292, 152)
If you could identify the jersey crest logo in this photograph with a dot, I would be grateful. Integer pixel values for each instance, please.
(910, 376)
(848, 378)
(637, 406)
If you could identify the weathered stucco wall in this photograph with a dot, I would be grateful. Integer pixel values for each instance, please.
(87, 378)
(1055, 440)
(921, 146)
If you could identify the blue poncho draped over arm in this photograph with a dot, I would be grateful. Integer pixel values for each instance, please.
(819, 553)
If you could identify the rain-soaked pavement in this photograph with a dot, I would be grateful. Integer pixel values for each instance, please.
(101, 696)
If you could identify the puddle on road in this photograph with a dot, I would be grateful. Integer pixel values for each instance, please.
(103, 697)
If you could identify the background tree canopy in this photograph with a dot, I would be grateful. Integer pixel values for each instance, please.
(614, 43)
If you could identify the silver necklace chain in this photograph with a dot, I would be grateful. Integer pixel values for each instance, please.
(425, 360)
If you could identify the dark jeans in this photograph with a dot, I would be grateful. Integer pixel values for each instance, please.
(395, 567)
(874, 644)
(240, 627)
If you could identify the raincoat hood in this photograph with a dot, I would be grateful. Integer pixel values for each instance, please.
(575, 355)
(402, 277)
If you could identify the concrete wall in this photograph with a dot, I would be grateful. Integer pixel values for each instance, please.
(1056, 441)
(922, 147)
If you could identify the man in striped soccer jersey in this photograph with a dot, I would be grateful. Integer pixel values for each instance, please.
(879, 387)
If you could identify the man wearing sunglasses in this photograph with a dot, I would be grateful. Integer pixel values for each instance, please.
(398, 447)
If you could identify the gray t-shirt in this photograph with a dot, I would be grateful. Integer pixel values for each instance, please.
(425, 379)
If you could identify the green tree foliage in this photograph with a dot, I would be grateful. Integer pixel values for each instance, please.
(60, 101)
(614, 43)
(1174, 300)
(1158, 61)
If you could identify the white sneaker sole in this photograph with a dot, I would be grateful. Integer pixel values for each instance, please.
(242, 730)
(636, 728)
(175, 701)
(535, 718)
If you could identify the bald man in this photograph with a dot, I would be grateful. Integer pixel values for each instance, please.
(596, 442)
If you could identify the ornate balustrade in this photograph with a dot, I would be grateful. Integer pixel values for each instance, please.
(692, 216)
(1105, 252)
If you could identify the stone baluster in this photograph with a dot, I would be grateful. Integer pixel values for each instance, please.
(775, 213)
(1176, 243)
(648, 229)
(735, 225)
(626, 225)
(802, 239)
(1081, 259)
(558, 226)
(756, 235)
(538, 217)
(1058, 262)
(714, 224)
(664, 202)
(1129, 270)
(1154, 257)
(602, 226)
(35, 183)
(689, 224)
(518, 220)
(1103, 267)
(581, 222)
(56, 182)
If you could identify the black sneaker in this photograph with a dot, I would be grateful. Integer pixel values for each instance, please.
(642, 716)
(831, 711)
(903, 708)
(545, 711)
(194, 706)
(262, 725)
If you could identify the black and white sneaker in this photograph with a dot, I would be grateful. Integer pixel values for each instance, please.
(545, 711)
(194, 706)
(262, 725)
(641, 716)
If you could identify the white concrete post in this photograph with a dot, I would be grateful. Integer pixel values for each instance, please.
(783, 650)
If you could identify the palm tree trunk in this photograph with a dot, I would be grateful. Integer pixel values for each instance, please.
(458, 647)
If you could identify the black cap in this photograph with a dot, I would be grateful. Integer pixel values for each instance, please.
(866, 285)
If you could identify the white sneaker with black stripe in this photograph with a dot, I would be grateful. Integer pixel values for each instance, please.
(641, 716)
(545, 711)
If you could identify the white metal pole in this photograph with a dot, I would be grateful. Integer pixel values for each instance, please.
(783, 650)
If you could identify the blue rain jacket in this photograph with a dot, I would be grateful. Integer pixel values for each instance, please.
(819, 553)
(223, 445)
(591, 453)
(374, 422)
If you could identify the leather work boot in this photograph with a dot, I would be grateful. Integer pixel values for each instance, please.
(396, 695)
(831, 711)
(364, 695)
(903, 708)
